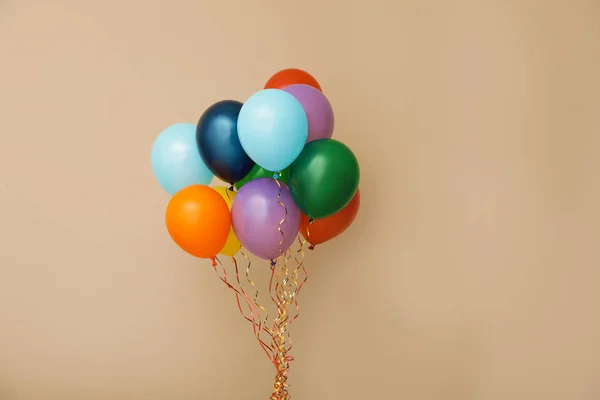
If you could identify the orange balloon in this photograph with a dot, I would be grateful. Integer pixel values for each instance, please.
(291, 76)
(198, 220)
(323, 230)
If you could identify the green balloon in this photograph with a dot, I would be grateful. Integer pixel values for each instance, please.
(258, 172)
(324, 178)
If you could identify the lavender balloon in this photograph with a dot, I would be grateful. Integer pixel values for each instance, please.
(256, 214)
(317, 108)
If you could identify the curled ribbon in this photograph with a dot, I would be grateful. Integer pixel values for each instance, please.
(254, 317)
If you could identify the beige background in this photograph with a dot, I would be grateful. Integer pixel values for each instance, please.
(472, 271)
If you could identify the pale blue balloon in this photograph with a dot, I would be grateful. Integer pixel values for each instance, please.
(272, 128)
(176, 161)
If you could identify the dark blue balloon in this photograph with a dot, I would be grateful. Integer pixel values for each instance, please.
(219, 144)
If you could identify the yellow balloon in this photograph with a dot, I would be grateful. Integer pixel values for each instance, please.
(232, 245)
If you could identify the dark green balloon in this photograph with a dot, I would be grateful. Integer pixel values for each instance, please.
(324, 178)
(259, 172)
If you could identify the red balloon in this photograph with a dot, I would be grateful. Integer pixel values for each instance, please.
(291, 76)
(325, 229)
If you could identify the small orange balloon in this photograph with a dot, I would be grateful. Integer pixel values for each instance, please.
(323, 230)
(198, 220)
(291, 76)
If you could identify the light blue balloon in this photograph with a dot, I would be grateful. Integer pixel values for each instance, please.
(273, 128)
(176, 161)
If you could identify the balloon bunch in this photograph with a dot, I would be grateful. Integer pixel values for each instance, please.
(286, 177)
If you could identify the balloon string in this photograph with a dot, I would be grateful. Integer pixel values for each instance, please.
(253, 304)
(283, 256)
(252, 319)
(268, 350)
(265, 321)
(287, 281)
(285, 212)
(280, 328)
(300, 266)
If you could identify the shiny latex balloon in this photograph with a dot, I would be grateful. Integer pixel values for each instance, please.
(291, 76)
(325, 229)
(259, 172)
(233, 245)
(272, 128)
(175, 159)
(219, 144)
(198, 220)
(257, 217)
(324, 178)
(317, 108)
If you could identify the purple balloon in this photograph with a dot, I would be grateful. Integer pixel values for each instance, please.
(256, 213)
(317, 108)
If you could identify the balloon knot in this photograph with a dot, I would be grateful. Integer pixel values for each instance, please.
(311, 220)
(231, 187)
(273, 263)
(311, 247)
(275, 176)
(214, 262)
